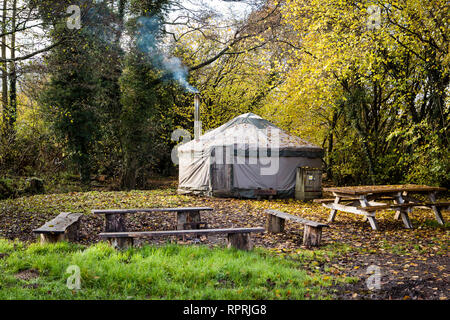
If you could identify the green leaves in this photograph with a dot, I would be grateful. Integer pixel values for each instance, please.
(383, 81)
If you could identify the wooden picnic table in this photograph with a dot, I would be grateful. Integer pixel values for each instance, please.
(366, 200)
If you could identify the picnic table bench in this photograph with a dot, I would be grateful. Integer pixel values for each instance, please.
(236, 237)
(65, 226)
(365, 200)
(312, 234)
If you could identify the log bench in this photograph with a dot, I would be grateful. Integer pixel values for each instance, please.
(64, 227)
(236, 237)
(311, 235)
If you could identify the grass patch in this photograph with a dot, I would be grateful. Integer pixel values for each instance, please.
(166, 272)
(435, 224)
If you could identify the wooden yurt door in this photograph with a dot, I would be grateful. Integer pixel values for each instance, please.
(221, 177)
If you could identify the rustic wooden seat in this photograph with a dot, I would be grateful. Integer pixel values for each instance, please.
(332, 200)
(445, 205)
(405, 205)
(311, 235)
(391, 206)
(237, 237)
(347, 199)
(64, 227)
(259, 193)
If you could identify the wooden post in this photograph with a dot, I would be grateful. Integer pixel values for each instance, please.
(274, 224)
(115, 222)
(437, 210)
(373, 222)
(240, 241)
(187, 217)
(333, 211)
(51, 237)
(121, 243)
(364, 203)
(405, 218)
(312, 236)
(72, 232)
(398, 199)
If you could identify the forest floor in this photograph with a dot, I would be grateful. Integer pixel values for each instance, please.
(412, 264)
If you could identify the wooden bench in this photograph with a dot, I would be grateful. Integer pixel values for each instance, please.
(390, 206)
(347, 199)
(270, 193)
(236, 237)
(64, 227)
(311, 235)
(402, 209)
(444, 205)
(115, 218)
(397, 206)
(329, 200)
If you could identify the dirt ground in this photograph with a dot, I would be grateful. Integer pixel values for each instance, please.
(412, 264)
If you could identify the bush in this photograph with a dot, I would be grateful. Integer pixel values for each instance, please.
(34, 186)
(7, 190)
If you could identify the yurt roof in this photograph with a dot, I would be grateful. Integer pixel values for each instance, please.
(248, 129)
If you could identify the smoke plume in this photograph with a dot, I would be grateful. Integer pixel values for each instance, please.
(148, 32)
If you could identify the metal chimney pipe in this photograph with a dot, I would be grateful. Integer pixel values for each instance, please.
(197, 126)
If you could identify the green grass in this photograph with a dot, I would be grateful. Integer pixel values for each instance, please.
(150, 272)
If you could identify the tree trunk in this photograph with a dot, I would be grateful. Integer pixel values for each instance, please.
(4, 67)
(84, 163)
(129, 175)
(330, 145)
(13, 76)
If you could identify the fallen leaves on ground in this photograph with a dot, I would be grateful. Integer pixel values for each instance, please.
(413, 263)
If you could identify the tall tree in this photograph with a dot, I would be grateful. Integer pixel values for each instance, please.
(4, 64)
(77, 80)
(12, 109)
(373, 75)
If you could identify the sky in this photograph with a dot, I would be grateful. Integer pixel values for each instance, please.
(228, 8)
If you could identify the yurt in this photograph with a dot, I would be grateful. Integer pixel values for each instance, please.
(243, 157)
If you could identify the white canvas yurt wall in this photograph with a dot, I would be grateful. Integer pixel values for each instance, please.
(243, 155)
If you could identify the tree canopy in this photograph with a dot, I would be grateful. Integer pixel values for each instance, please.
(366, 80)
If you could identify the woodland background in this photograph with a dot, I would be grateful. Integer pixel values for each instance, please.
(366, 80)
